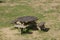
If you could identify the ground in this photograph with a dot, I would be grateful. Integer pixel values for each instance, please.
(46, 10)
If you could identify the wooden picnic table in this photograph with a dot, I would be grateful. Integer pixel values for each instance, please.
(25, 21)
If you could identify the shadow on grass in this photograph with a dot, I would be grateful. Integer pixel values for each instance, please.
(30, 28)
(42, 27)
(45, 29)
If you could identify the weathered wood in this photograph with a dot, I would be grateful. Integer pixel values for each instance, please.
(25, 19)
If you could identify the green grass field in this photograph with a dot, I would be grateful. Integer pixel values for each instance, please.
(45, 10)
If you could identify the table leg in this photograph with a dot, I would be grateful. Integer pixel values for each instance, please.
(21, 30)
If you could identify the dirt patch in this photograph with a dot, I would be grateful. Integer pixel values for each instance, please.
(9, 34)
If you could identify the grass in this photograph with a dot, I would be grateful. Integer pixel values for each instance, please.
(10, 13)
(48, 11)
